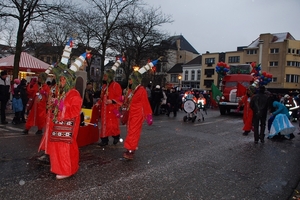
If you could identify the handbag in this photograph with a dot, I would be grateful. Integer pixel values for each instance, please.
(124, 116)
(29, 104)
(62, 131)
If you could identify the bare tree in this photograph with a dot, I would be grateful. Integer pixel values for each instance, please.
(24, 12)
(138, 35)
(106, 14)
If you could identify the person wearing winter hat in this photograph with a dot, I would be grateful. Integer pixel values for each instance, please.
(5, 94)
(109, 104)
(138, 106)
(63, 120)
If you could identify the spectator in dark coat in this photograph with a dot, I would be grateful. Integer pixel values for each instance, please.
(259, 104)
(157, 96)
(172, 102)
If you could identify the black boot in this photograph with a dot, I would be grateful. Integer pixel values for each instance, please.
(104, 142)
(116, 139)
(25, 132)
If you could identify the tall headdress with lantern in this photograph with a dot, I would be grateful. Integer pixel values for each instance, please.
(136, 76)
(61, 69)
(110, 73)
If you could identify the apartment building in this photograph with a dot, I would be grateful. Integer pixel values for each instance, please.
(278, 54)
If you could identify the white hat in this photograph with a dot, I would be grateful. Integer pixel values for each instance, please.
(286, 96)
(157, 87)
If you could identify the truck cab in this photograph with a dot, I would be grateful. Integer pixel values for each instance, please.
(229, 99)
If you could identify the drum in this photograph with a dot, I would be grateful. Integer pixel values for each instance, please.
(189, 106)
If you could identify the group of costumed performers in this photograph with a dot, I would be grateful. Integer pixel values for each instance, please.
(38, 93)
(109, 104)
(63, 118)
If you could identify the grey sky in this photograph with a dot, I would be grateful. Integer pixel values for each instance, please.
(222, 25)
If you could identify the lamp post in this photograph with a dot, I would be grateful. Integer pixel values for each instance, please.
(179, 79)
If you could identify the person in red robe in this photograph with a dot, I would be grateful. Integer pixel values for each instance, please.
(109, 102)
(139, 110)
(63, 121)
(39, 93)
(247, 112)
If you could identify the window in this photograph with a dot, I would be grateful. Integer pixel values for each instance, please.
(273, 64)
(186, 75)
(198, 74)
(209, 60)
(291, 78)
(276, 50)
(54, 58)
(234, 59)
(209, 72)
(251, 51)
(193, 75)
(174, 78)
(48, 59)
(298, 51)
(274, 79)
(293, 63)
(289, 50)
(208, 83)
(119, 71)
(118, 79)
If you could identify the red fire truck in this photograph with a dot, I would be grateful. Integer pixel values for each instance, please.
(238, 73)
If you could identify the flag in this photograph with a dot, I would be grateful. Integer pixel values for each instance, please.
(216, 93)
(241, 90)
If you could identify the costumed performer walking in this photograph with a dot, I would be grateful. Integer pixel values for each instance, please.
(37, 116)
(137, 104)
(63, 128)
(247, 111)
(110, 102)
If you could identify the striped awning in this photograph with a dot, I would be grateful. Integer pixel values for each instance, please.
(27, 63)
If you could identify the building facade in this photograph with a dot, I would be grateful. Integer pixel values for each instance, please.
(278, 54)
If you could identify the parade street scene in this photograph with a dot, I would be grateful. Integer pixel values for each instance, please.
(174, 160)
(149, 100)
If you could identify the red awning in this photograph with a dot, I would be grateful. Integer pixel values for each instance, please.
(27, 63)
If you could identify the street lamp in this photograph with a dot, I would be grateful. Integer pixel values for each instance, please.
(179, 79)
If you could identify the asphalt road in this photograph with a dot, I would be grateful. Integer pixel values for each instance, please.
(175, 160)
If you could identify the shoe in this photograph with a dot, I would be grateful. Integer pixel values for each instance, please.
(44, 158)
(23, 121)
(116, 141)
(262, 141)
(199, 120)
(128, 154)
(5, 122)
(25, 132)
(59, 177)
(14, 123)
(102, 144)
(39, 132)
(202, 118)
(246, 133)
(256, 141)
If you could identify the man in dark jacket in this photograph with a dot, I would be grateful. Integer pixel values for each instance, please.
(4, 94)
(259, 104)
(157, 95)
(172, 102)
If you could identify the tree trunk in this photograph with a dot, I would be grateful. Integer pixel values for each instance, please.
(17, 58)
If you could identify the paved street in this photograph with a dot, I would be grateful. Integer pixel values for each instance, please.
(175, 160)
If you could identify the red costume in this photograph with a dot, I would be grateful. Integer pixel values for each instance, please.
(247, 113)
(109, 121)
(37, 114)
(64, 155)
(138, 111)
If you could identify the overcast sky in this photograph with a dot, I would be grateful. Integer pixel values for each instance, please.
(222, 25)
